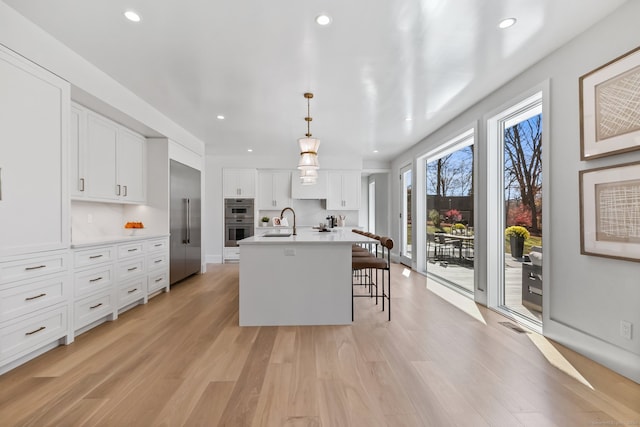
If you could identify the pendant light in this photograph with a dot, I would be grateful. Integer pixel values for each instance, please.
(308, 163)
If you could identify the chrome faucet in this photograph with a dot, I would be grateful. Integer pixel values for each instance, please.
(294, 217)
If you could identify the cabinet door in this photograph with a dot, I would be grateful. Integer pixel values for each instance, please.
(247, 183)
(230, 183)
(239, 183)
(344, 190)
(266, 200)
(281, 189)
(77, 140)
(101, 159)
(34, 117)
(334, 191)
(351, 182)
(131, 166)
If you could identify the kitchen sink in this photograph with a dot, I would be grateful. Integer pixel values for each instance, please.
(276, 235)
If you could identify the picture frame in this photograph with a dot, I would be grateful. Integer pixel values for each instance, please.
(276, 221)
(609, 108)
(609, 211)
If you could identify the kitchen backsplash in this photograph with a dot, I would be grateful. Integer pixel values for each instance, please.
(310, 213)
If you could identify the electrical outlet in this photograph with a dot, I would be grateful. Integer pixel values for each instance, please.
(625, 329)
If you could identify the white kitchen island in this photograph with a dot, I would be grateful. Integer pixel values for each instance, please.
(297, 280)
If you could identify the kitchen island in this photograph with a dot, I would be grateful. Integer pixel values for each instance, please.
(297, 280)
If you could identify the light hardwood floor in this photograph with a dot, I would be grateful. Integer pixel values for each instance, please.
(182, 359)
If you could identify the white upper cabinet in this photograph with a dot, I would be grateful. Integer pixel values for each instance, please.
(131, 165)
(239, 183)
(314, 191)
(34, 117)
(274, 190)
(108, 161)
(344, 190)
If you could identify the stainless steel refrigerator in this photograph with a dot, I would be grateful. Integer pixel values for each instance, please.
(184, 221)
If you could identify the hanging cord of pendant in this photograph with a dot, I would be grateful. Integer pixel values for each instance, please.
(308, 95)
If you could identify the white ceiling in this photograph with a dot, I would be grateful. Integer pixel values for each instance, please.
(377, 64)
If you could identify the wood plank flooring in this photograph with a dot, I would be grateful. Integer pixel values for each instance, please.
(182, 359)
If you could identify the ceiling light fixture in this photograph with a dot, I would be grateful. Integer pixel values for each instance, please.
(250, 150)
(220, 117)
(506, 23)
(323, 20)
(375, 151)
(132, 16)
(308, 150)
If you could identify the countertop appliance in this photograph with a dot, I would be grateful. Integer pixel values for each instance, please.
(238, 220)
(184, 219)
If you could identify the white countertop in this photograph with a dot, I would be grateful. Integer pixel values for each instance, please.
(108, 240)
(308, 235)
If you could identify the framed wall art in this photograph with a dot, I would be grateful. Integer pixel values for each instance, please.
(610, 211)
(610, 108)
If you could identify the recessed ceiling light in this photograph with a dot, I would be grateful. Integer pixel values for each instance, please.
(220, 117)
(132, 16)
(506, 23)
(323, 19)
(375, 151)
(250, 150)
(408, 119)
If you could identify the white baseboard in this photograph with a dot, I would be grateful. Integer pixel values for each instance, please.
(214, 259)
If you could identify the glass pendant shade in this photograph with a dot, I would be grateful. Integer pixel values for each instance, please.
(308, 176)
(308, 153)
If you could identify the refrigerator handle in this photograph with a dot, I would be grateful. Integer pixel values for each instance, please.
(188, 220)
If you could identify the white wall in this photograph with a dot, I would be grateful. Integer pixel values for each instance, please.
(585, 296)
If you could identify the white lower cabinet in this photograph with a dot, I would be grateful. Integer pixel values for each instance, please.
(35, 297)
(28, 333)
(92, 309)
(132, 291)
(109, 279)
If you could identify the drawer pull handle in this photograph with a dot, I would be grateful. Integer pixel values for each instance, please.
(132, 290)
(132, 250)
(95, 256)
(41, 328)
(157, 261)
(35, 268)
(95, 280)
(157, 245)
(95, 306)
(159, 280)
(132, 268)
(36, 297)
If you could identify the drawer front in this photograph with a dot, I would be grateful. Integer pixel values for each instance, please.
(157, 245)
(28, 297)
(158, 281)
(94, 256)
(32, 267)
(29, 334)
(92, 308)
(156, 262)
(130, 269)
(231, 253)
(93, 280)
(130, 250)
(132, 291)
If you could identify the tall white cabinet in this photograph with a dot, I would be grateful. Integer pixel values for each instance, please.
(239, 183)
(34, 111)
(34, 216)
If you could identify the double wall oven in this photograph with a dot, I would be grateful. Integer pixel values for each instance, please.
(238, 220)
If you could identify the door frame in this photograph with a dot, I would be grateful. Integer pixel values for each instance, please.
(404, 211)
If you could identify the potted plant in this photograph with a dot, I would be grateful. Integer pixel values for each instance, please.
(517, 235)
(264, 221)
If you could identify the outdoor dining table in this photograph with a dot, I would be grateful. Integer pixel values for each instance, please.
(461, 239)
